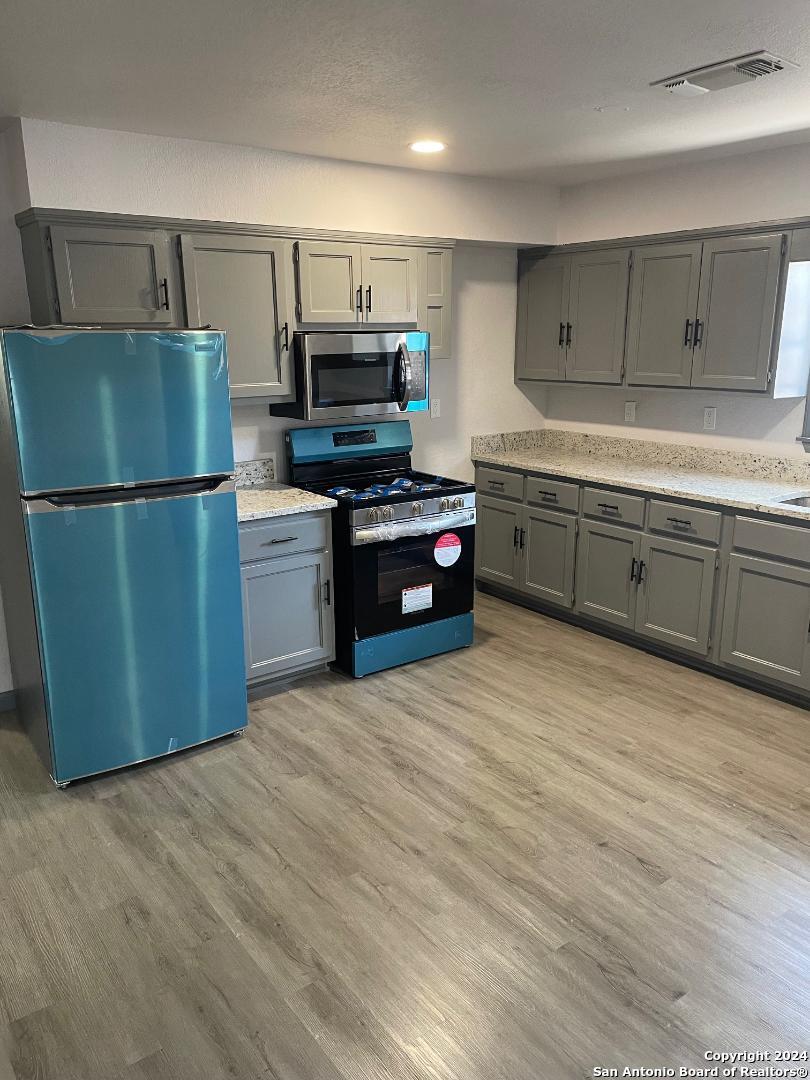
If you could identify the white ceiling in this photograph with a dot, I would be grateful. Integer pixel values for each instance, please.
(510, 85)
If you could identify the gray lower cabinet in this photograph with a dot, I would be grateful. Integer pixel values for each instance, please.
(113, 276)
(597, 314)
(497, 539)
(435, 299)
(607, 560)
(675, 593)
(661, 317)
(548, 542)
(240, 284)
(286, 605)
(542, 318)
(736, 312)
(766, 620)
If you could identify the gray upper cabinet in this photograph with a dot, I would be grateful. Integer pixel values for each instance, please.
(736, 312)
(676, 590)
(286, 605)
(240, 284)
(766, 620)
(597, 314)
(661, 317)
(113, 276)
(542, 316)
(435, 299)
(607, 561)
(329, 282)
(389, 280)
(548, 542)
(497, 539)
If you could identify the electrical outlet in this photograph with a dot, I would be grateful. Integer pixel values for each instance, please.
(630, 412)
(709, 418)
(435, 408)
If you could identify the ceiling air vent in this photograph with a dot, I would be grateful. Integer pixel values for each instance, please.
(734, 72)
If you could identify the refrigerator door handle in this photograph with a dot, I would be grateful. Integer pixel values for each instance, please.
(66, 503)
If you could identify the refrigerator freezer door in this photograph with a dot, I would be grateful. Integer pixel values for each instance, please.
(140, 625)
(96, 409)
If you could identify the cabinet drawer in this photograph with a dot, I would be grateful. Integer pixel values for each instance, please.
(554, 494)
(784, 541)
(499, 482)
(611, 506)
(685, 521)
(282, 536)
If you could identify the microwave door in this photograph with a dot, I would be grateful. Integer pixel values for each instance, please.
(348, 378)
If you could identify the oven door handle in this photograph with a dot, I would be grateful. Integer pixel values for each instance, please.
(396, 530)
(403, 377)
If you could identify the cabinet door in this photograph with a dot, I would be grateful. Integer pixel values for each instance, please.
(287, 612)
(328, 282)
(607, 559)
(676, 587)
(541, 319)
(389, 279)
(496, 540)
(112, 276)
(766, 619)
(549, 545)
(597, 314)
(661, 317)
(239, 284)
(435, 299)
(739, 282)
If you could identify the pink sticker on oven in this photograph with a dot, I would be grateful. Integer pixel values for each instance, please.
(447, 549)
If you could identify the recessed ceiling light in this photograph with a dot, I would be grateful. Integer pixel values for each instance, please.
(427, 146)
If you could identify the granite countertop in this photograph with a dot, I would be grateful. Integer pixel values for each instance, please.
(751, 482)
(269, 500)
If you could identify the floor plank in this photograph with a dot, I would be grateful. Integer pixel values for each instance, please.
(542, 854)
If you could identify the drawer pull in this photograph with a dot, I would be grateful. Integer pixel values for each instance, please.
(548, 494)
(680, 523)
(608, 508)
(496, 483)
(279, 540)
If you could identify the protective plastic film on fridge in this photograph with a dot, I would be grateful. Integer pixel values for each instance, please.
(120, 564)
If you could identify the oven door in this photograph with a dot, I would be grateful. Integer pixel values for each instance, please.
(348, 375)
(402, 580)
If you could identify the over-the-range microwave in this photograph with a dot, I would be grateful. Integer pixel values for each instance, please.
(361, 373)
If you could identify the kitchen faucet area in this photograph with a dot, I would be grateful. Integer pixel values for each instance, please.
(404, 541)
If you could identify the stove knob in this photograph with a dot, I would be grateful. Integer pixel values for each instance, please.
(444, 505)
(417, 508)
(374, 514)
(458, 503)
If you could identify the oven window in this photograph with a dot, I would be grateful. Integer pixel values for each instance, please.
(352, 379)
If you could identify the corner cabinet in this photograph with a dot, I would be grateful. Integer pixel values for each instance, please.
(241, 284)
(435, 299)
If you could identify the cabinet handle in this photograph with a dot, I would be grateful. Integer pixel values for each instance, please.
(548, 494)
(687, 337)
(522, 538)
(358, 300)
(608, 508)
(368, 300)
(164, 285)
(568, 329)
(561, 342)
(698, 333)
(642, 577)
(680, 523)
(633, 566)
(279, 540)
(516, 536)
(327, 591)
(285, 330)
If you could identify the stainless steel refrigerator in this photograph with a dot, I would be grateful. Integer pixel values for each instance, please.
(119, 557)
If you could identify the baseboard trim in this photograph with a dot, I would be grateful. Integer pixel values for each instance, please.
(8, 702)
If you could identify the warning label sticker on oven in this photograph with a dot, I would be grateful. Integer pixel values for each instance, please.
(417, 598)
(447, 549)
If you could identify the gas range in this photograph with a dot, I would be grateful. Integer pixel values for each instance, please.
(403, 544)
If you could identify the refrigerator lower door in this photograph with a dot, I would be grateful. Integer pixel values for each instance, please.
(140, 627)
(97, 409)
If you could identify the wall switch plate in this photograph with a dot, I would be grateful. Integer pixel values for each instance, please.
(709, 418)
(435, 408)
(630, 412)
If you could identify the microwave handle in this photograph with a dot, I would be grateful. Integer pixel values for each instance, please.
(404, 377)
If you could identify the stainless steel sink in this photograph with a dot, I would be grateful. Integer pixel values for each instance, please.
(797, 500)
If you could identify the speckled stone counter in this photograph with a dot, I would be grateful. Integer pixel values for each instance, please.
(276, 500)
(753, 482)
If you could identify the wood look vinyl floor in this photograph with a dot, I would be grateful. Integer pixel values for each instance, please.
(518, 862)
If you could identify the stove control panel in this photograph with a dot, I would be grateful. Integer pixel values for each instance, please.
(419, 508)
